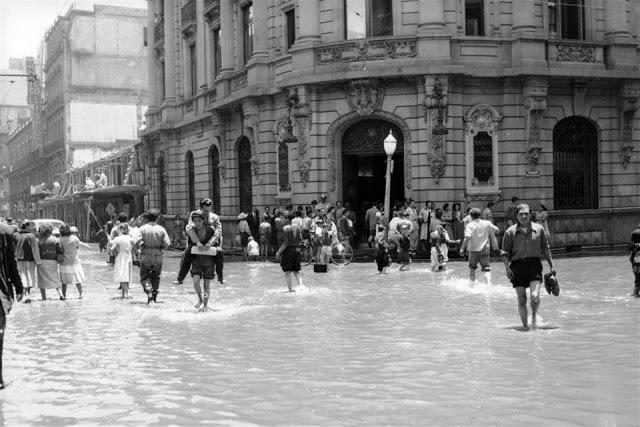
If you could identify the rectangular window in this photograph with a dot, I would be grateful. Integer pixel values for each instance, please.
(247, 31)
(368, 18)
(217, 53)
(193, 68)
(290, 16)
(474, 17)
(483, 157)
(571, 19)
(161, 82)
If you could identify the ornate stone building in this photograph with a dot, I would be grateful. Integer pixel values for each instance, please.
(488, 99)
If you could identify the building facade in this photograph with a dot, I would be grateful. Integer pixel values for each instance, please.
(14, 112)
(487, 99)
(93, 97)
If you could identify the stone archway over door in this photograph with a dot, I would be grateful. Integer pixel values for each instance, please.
(575, 164)
(244, 175)
(364, 163)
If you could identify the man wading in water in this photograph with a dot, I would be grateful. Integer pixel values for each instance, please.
(523, 245)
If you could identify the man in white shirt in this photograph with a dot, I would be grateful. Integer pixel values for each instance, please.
(477, 235)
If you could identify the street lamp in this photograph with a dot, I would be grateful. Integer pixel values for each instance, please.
(390, 143)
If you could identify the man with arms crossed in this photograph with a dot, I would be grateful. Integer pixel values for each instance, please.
(476, 239)
(523, 246)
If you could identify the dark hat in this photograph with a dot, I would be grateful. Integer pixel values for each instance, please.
(152, 214)
(206, 202)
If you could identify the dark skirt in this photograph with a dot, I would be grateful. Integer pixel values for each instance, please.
(244, 238)
(290, 259)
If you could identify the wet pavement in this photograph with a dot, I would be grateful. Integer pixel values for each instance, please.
(351, 347)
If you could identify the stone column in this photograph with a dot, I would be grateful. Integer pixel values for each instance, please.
(226, 36)
(260, 31)
(309, 22)
(431, 16)
(616, 21)
(523, 13)
(152, 60)
(534, 92)
(170, 54)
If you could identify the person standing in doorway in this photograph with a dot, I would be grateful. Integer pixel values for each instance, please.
(523, 246)
(153, 239)
(10, 283)
(424, 219)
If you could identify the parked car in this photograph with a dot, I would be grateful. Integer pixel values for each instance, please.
(55, 223)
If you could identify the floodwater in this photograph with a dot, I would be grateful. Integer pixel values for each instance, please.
(350, 348)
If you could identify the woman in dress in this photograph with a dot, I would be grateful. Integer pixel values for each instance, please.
(457, 226)
(122, 266)
(71, 270)
(542, 219)
(50, 251)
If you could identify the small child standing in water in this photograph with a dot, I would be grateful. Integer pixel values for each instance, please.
(253, 249)
(440, 249)
(404, 258)
(382, 256)
(123, 264)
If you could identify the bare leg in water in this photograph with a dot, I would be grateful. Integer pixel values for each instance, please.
(207, 292)
(196, 286)
(3, 324)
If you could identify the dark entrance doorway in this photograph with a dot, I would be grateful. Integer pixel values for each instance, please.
(364, 165)
(244, 174)
(575, 164)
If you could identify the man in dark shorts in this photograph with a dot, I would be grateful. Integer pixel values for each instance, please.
(523, 246)
(289, 252)
(9, 278)
(203, 266)
(153, 239)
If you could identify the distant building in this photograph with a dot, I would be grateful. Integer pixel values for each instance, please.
(487, 99)
(94, 96)
(14, 112)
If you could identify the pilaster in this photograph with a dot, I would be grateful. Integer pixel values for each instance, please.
(436, 104)
(534, 92)
(629, 101)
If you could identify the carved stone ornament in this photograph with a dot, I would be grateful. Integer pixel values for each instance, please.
(365, 50)
(365, 96)
(482, 118)
(346, 121)
(220, 134)
(436, 104)
(629, 96)
(573, 53)
(535, 102)
(251, 112)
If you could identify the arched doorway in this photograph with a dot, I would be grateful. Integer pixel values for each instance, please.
(214, 177)
(191, 181)
(575, 164)
(364, 164)
(244, 174)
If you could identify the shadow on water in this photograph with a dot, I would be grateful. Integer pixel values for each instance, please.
(522, 329)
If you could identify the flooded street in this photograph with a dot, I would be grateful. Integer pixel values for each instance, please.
(350, 348)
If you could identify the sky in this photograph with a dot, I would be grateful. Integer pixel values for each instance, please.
(23, 23)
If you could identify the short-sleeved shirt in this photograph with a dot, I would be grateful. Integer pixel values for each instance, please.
(154, 236)
(478, 232)
(530, 244)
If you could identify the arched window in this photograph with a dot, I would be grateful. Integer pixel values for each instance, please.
(575, 164)
(162, 184)
(214, 177)
(191, 181)
(481, 137)
(283, 167)
(244, 174)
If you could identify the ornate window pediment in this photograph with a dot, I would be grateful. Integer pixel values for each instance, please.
(481, 137)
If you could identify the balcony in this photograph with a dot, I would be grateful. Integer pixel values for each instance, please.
(188, 19)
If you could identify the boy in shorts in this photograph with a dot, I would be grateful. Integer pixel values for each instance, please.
(477, 237)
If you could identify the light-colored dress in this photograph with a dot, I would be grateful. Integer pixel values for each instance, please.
(124, 260)
(542, 219)
(48, 275)
(71, 270)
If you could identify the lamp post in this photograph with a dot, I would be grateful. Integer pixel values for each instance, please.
(390, 143)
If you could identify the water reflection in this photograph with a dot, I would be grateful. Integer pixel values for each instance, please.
(351, 348)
